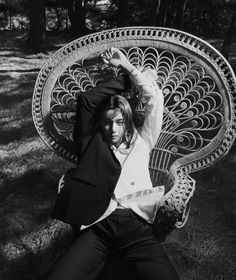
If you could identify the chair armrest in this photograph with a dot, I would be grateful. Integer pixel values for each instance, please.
(176, 202)
(175, 205)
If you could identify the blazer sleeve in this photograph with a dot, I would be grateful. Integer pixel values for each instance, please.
(90, 106)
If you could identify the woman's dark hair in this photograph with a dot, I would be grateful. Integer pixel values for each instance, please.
(120, 102)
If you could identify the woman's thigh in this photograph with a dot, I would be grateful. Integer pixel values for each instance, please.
(84, 260)
(153, 263)
(146, 255)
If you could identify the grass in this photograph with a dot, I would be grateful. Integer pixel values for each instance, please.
(206, 249)
(31, 243)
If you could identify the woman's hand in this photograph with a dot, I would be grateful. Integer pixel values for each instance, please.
(115, 57)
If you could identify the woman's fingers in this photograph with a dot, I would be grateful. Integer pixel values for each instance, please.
(105, 60)
(105, 57)
(110, 52)
(112, 56)
(113, 50)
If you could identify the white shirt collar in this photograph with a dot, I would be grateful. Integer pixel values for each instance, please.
(122, 147)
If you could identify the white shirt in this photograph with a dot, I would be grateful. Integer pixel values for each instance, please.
(134, 188)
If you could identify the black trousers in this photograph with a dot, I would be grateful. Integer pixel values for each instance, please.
(122, 233)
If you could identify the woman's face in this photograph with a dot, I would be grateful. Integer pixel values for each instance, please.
(113, 126)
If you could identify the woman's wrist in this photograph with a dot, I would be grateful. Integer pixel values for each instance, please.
(128, 67)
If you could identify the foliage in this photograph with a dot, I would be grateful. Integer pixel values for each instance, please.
(200, 17)
(13, 14)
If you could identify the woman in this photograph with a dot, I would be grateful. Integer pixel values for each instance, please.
(109, 199)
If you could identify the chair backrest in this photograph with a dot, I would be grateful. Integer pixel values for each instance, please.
(198, 84)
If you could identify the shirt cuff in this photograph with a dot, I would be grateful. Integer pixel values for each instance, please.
(138, 78)
(146, 77)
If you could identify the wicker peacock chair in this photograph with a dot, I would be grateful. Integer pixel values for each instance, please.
(199, 90)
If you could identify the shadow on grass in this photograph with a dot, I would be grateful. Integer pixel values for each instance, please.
(31, 242)
(13, 98)
(25, 202)
(9, 135)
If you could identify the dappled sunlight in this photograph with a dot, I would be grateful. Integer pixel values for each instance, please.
(11, 60)
(6, 115)
(11, 80)
(202, 245)
(33, 254)
(20, 149)
(16, 124)
(19, 159)
(27, 200)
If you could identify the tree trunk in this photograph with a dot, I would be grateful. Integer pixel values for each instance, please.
(77, 15)
(10, 15)
(58, 13)
(152, 20)
(163, 13)
(70, 9)
(229, 36)
(123, 13)
(179, 18)
(37, 32)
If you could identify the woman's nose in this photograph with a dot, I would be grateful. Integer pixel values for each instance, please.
(113, 127)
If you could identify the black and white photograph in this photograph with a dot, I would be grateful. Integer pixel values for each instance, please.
(117, 140)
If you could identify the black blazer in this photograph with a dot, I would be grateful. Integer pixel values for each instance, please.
(87, 194)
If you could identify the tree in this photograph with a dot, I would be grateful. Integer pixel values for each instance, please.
(229, 36)
(10, 9)
(123, 12)
(77, 15)
(58, 6)
(179, 17)
(167, 13)
(37, 32)
(155, 5)
(162, 13)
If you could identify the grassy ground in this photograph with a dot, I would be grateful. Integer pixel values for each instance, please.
(29, 171)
